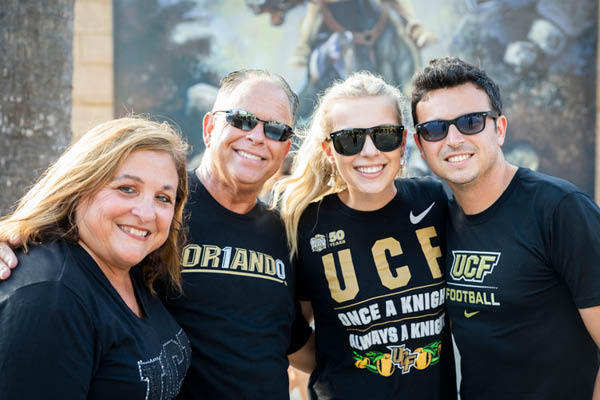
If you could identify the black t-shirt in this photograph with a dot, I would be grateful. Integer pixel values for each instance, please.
(375, 282)
(238, 305)
(517, 274)
(65, 333)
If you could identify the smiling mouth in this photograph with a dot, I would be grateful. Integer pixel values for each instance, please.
(134, 231)
(458, 158)
(369, 170)
(249, 156)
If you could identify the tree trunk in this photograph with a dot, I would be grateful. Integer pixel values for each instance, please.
(36, 68)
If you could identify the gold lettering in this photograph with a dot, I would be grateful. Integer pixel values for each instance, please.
(190, 255)
(256, 261)
(270, 265)
(431, 253)
(459, 265)
(470, 269)
(485, 264)
(383, 267)
(240, 259)
(210, 255)
(348, 275)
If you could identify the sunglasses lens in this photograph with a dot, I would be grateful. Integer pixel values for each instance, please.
(387, 138)
(277, 131)
(433, 131)
(241, 121)
(471, 123)
(349, 141)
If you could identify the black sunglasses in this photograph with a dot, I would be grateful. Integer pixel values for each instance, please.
(349, 142)
(468, 124)
(246, 121)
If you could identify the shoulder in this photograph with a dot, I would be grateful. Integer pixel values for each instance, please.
(49, 267)
(41, 263)
(547, 189)
(44, 279)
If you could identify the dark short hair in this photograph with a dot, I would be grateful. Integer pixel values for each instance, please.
(449, 72)
(235, 78)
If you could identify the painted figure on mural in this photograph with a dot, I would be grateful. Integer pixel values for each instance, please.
(338, 37)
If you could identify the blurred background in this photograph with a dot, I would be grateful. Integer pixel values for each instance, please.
(70, 64)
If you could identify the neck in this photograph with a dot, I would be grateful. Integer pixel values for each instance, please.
(477, 196)
(367, 201)
(233, 197)
(120, 280)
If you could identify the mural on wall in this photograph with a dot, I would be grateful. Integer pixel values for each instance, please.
(170, 54)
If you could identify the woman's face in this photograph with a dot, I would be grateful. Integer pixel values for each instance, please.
(370, 173)
(131, 216)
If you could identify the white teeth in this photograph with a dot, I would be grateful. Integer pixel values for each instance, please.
(134, 231)
(369, 170)
(460, 158)
(248, 155)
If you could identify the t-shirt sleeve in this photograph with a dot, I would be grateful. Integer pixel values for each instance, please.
(301, 330)
(46, 344)
(575, 247)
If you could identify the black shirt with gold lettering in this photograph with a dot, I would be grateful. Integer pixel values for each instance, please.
(375, 282)
(238, 305)
(517, 274)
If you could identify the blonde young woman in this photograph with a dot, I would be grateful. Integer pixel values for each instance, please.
(78, 319)
(369, 249)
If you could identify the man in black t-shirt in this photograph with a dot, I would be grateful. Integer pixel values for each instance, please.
(238, 305)
(522, 265)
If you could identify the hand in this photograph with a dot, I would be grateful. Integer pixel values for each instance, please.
(8, 259)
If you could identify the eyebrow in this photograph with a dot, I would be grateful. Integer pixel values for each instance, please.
(140, 180)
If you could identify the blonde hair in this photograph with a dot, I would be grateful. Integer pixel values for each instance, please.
(47, 211)
(311, 169)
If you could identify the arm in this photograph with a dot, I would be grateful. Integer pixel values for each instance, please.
(304, 359)
(8, 259)
(46, 343)
(591, 319)
(575, 255)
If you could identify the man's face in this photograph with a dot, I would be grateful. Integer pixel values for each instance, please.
(243, 159)
(459, 159)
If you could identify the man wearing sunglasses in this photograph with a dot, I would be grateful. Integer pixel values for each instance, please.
(238, 305)
(522, 264)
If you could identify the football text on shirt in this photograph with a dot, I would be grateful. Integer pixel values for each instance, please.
(467, 275)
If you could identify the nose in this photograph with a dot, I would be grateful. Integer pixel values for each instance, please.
(454, 137)
(369, 148)
(144, 209)
(257, 134)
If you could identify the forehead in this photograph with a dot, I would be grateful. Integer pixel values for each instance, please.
(362, 112)
(263, 98)
(449, 103)
(149, 166)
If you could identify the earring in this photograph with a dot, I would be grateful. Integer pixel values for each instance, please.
(331, 181)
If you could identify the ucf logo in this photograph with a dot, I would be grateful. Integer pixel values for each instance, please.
(473, 266)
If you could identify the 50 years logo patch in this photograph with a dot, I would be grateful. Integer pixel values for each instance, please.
(320, 242)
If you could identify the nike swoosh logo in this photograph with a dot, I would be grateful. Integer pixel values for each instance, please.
(416, 219)
(470, 314)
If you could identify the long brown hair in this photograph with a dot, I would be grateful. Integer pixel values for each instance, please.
(47, 211)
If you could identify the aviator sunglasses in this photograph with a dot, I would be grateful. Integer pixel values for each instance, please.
(468, 124)
(246, 121)
(349, 142)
